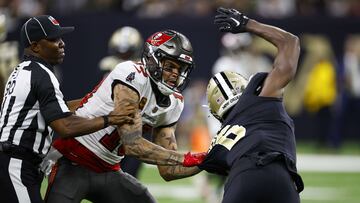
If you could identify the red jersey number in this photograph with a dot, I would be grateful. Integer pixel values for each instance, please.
(89, 95)
(111, 142)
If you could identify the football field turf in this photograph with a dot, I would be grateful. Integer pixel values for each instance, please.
(332, 186)
(319, 187)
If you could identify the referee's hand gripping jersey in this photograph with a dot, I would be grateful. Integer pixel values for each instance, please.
(255, 146)
(33, 107)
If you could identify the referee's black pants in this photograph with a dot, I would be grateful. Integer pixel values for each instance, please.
(271, 183)
(20, 180)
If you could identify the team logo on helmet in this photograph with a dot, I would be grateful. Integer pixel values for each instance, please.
(170, 45)
(159, 39)
(186, 58)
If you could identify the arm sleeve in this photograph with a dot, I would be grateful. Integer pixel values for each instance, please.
(215, 161)
(51, 102)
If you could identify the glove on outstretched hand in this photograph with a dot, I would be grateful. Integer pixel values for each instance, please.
(231, 20)
(193, 159)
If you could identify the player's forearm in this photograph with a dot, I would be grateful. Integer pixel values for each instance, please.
(273, 34)
(135, 145)
(288, 46)
(73, 126)
(166, 139)
(169, 173)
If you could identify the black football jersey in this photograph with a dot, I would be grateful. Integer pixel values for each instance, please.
(255, 124)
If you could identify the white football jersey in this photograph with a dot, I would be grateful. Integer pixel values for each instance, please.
(105, 143)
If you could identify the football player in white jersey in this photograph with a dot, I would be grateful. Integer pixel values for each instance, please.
(125, 44)
(89, 167)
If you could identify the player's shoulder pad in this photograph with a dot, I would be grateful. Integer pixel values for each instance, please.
(177, 107)
(131, 73)
(178, 96)
(179, 99)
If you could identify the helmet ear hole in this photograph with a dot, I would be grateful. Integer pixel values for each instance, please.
(224, 91)
(156, 72)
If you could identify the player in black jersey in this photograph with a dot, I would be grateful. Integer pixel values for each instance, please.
(255, 146)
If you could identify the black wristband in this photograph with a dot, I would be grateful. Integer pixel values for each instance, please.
(106, 121)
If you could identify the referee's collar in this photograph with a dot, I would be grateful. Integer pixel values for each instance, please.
(37, 59)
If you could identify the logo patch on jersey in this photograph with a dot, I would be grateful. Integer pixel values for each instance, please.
(130, 77)
(155, 109)
(142, 103)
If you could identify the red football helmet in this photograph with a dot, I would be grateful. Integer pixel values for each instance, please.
(172, 45)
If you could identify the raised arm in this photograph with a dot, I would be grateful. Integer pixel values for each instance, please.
(285, 63)
(286, 59)
(165, 137)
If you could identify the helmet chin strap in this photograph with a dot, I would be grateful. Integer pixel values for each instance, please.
(164, 89)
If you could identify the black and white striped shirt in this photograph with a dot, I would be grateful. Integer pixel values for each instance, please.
(32, 100)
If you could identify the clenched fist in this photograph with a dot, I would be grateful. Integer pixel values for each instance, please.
(231, 20)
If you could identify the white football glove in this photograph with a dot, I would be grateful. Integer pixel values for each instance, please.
(49, 161)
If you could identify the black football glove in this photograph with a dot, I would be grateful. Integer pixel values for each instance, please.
(231, 20)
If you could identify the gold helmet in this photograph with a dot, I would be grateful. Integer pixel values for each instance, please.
(126, 43)
(3, 29)
(223, 92)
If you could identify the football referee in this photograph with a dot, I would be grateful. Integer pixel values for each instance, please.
(33, 107)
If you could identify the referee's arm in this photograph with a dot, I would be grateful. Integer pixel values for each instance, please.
(72, 126)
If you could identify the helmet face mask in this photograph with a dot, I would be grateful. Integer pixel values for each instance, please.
(168, 45)
(224, 91)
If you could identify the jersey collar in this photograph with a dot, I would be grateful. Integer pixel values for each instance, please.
(37, 59)
(161, 100)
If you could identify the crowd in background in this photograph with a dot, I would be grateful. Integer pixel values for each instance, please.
(161, 8)
(325, 86)
(196, 8)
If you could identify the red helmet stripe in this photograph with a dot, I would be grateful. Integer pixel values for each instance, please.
(158, 39)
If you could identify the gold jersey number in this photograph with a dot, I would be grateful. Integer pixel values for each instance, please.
(228, 136)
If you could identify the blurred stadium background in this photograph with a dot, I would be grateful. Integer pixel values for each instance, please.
(323, 100)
